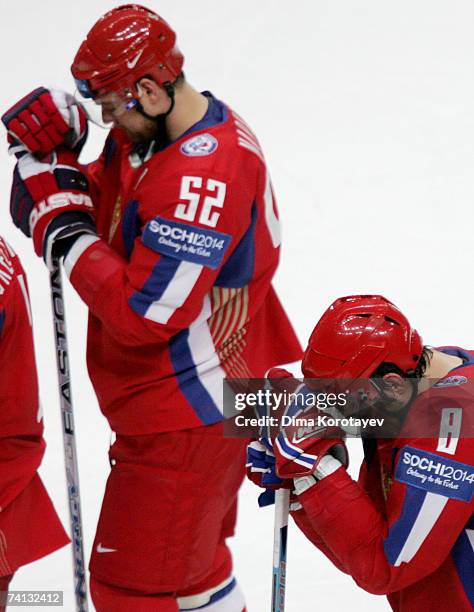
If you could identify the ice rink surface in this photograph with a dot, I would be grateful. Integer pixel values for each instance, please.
(365, 111)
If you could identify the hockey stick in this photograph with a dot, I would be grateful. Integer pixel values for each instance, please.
(69, 440)
(282, 504)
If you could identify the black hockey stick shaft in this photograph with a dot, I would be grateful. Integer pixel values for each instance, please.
(69, 439)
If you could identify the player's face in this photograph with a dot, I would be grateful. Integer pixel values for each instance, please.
(397, 392)
(137, 127)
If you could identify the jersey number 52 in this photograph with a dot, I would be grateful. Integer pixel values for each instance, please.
(197, 201)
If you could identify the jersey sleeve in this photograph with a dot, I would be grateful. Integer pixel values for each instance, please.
(21, 428)
(305, 526)
(428, 507)
(182, 246)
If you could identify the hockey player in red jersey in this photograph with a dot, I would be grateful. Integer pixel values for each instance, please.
(405, 529)
(29, 526)
(171, 238)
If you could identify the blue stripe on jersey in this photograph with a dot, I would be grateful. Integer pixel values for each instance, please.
(109, 150)
(188, 380)
(463, 557)
(223, 592)
(130, 226)
(238, 269)
(456, 351)
(161, 276)
(2, 320)
(400, 530)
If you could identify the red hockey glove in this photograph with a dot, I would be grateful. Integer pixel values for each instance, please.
(298, 450)
(45, 119)
(50, 201)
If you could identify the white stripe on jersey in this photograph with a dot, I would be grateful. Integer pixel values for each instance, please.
(232, 602)
(204, 355)
(431, 509)
(21, 280)
(8, 247)
(470, 536)
(247, 145)
(273, 223)
(243, 125)
(198, 600)
(247, 136)
(175, 294)
(78, 248)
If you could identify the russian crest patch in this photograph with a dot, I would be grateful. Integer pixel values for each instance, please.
(200, 145)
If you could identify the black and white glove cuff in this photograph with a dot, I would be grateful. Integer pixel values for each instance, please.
(327, 466)
(63, 232)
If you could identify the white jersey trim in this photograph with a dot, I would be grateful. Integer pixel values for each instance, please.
(195, 601)
(175, 294)
(232, 602)
(205, 358)
(78, 248)
(430, 511)
(470, 537)
(21, 281)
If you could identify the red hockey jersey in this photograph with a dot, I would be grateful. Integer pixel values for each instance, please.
(406, 528)
(29, 526)
(179, 283)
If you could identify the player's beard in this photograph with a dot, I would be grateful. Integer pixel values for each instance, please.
(161, 137)
(395, 408)
(153, 130)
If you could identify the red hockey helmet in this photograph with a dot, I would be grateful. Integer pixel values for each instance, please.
(127, 43)
(356, 334)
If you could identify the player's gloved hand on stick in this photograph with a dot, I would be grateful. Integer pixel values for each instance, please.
(46, 119)
(298, 451)
(50, 202)
(261, 466)
(261, 471)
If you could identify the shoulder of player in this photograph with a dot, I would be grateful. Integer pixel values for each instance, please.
(226, 144)
(164, 175)
(437, 408)
(438, 397)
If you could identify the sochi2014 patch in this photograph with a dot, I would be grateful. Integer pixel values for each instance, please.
(435, 474)
(200, 145)
(451, 381)
(186, 242)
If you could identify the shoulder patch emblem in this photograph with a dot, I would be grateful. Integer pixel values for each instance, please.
(200, 145)
(186, 242)
(451, 381)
